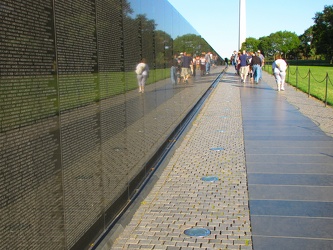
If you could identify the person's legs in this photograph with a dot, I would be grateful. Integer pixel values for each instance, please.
(256, 73)
(241, 73)
(244, 72)
(278, 81)
(173, 74)
(203, 69)
(283, 79)
(139, 77)
(259, 72)
(183, 74)
(207, 68)
(143, 83)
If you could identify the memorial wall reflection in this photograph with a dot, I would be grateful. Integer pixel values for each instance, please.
(75, 133)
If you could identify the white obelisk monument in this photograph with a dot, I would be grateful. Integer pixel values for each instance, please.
(242, 23)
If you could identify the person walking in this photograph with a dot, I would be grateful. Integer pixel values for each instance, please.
(208, 62)
(262, 59)
(203, 64)
(142, 73)
(194, 66)
(226, 61)
(186, 64)
(256, 67)
(173, 70)
(235, 60)
(279, 68)
(238, 64)
(197, 63)
(244, 66)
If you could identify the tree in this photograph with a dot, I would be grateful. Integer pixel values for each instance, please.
(323, 32)
(284, 42)
(251, 44)
(265, 47)
(305, 49)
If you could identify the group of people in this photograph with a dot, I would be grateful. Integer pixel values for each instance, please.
(245, 63)
(183, 66)
(250, 64)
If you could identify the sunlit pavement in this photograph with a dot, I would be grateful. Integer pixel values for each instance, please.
(252, 172)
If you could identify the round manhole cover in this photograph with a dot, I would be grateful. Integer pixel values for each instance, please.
(210, 178)
(217, 149)
(197, 232)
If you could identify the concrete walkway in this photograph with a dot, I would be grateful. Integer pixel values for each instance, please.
(270, 182)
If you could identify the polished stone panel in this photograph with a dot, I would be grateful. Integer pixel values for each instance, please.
(290, 174)
(290, 158)
(283, 131)
(289, 243)
(291, 208)
(285, 226)
(283, 167)
(291, 192)
(323, 151)
(302, 138)
(76, 136)
(289, 143)
(291, 179)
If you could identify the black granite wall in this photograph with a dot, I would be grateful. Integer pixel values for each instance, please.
(74, 132)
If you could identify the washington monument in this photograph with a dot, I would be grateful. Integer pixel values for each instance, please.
(242, 23)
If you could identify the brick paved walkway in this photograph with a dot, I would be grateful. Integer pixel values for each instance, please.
(214, 146)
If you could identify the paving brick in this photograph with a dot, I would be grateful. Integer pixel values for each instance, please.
(180, 199)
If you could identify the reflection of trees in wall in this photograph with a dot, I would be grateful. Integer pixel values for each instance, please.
(142, 40)
(163, 48)
(147, 29)
(191, 43)
(71, 145)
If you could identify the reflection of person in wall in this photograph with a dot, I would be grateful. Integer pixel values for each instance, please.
(186, 67)
(208, 62)
(173, 70)
(142, 73)
(203, 64)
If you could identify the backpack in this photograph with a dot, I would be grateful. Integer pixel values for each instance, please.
(139, 69)
(248, 60)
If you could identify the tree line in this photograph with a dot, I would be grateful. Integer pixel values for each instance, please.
(315, 43)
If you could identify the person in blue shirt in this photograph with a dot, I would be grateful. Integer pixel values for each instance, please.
(244, 66)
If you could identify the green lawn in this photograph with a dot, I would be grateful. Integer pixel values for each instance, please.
(29, 99)
(311, 79)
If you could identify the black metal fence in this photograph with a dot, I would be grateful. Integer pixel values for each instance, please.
(312, 79)
(321, 89)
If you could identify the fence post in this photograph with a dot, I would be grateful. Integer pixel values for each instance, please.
(296, 78)
(309, 83)
(326, 91)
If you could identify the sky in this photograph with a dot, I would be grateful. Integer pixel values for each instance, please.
(217, 21)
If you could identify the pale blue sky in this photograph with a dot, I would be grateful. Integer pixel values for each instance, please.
(217, 21)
